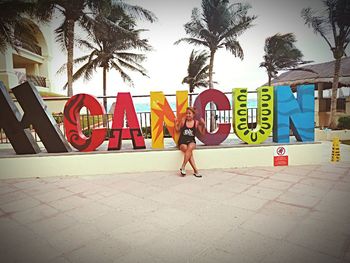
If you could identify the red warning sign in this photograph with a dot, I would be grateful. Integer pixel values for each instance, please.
(280, 156)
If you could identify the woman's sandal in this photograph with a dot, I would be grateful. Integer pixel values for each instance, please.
(182, 171)
(197, 175)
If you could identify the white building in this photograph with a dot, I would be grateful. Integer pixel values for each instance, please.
(29, 61)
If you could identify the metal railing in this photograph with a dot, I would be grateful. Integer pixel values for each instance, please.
(29, 46)
(341, 105)
(37, 80)
(88, 122)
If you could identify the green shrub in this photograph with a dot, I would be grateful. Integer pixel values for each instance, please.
(344, 122)
(87, 132)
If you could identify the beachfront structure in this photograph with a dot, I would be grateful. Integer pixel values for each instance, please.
(29, 61)
(322, 77)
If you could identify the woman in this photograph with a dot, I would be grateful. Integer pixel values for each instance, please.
(188, 127)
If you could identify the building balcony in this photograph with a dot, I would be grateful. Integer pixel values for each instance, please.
(29, 46)
(36, 80)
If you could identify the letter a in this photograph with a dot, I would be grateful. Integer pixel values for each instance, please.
(125, 106)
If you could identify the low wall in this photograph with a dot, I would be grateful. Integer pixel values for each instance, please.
(329, 135)
(97, 163)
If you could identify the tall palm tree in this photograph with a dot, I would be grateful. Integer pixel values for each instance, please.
(197, 71)
(218, 25)
(12, 14)
(335, 30)
(281, 54)
(82, 12)
(111, 48)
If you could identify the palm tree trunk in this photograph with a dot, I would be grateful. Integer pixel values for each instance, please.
(70, 47)
(211, 86)
(269, 81)
(105, 88)
(332, 119)
(211, 66)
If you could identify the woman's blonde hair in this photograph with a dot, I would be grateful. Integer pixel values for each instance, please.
(193, 109)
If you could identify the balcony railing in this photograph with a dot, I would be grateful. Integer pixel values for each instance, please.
(29, 46)
(37, 80)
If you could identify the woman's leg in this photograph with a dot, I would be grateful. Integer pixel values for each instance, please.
(183, 148)
(193, 164)
(190, 147)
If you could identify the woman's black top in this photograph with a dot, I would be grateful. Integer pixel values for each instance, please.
(187, 135)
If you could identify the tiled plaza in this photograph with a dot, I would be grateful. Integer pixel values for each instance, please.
(283, 214)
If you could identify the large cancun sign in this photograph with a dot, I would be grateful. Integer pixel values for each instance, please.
(278, 112)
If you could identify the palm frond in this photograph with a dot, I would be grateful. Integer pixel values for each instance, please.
(85, 43)
(134, 10)
(132, 66)
(320, 24)
(134, 57)
(13, 25)
(237, 29)
(190, 40)
(125, 77)
(76, 61)
(281, 54)
(61, 35)
(234, 47)
(111, 44)
(197, 71)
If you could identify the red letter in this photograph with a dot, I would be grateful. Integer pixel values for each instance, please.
(124, 105)
(222, 103)
(72, 122)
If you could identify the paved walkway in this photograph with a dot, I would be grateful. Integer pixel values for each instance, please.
(291, 214)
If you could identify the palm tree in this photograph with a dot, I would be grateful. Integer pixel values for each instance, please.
(82, 12)
(218, 25)
(12, 14)
(335, 30)
(197, 71)
(281, 54)
(110, 48)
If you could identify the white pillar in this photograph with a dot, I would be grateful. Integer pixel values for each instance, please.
(7, 74)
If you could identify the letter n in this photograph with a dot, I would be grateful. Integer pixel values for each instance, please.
(161, 113)
(296, 114)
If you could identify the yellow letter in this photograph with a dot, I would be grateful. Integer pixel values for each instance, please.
(161, 113)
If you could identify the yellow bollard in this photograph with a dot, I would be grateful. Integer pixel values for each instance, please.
(336, 150)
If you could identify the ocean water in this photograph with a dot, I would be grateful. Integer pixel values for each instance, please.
(145, 106)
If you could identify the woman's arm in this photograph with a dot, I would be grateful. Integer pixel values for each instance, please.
(201, 126)
(178, 124)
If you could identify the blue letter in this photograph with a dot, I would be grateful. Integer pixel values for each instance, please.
(298, 114)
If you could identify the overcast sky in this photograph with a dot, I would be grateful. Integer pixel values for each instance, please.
(167, 63)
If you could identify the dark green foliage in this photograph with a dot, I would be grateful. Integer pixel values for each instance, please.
(344, 122)
(216, 26)
(13, 23)
(197, 71)
(281, 54)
